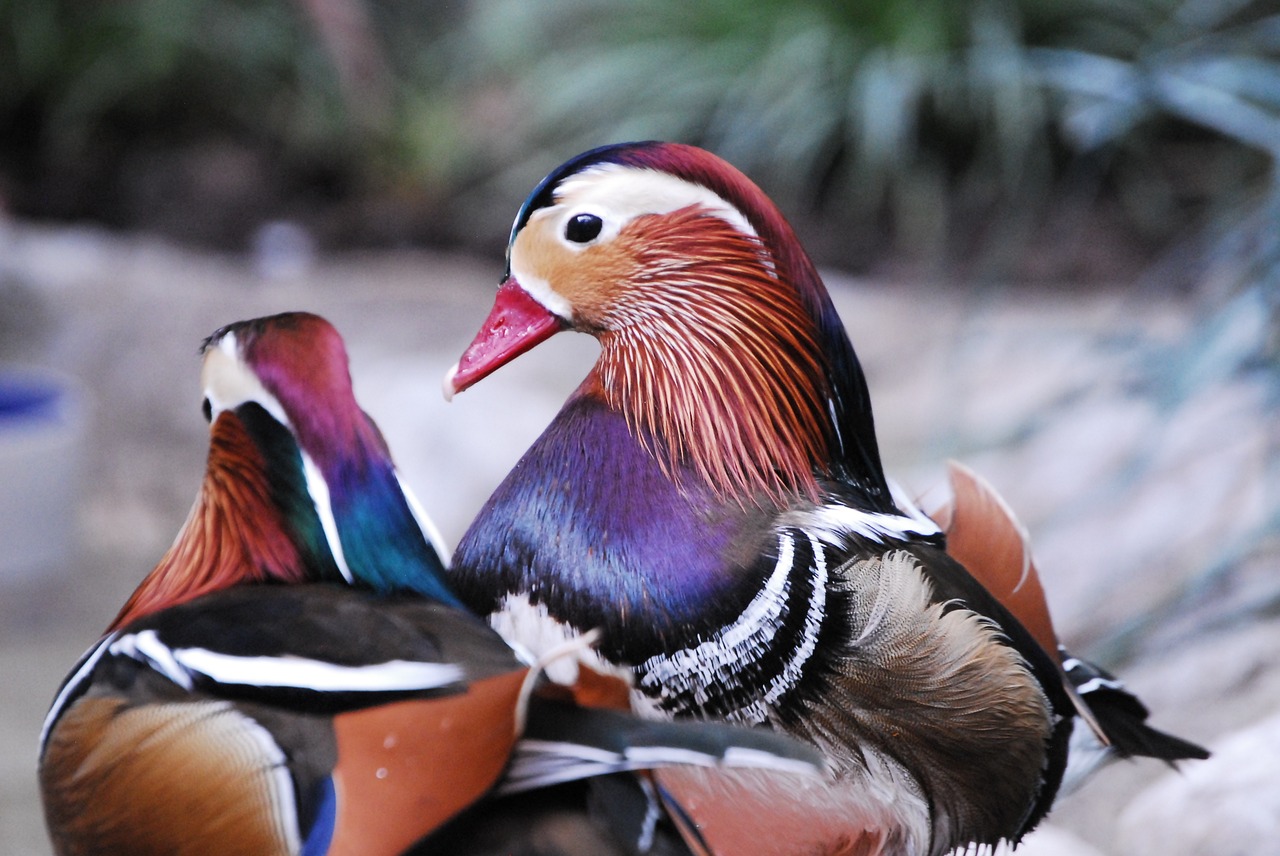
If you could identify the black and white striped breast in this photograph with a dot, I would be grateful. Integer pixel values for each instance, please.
(742, 669)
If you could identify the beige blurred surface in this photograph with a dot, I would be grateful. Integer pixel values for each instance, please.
(1052, 394)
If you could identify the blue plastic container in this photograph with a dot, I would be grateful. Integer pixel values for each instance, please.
(41, 431)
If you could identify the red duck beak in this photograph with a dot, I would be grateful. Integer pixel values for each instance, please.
(516, 324)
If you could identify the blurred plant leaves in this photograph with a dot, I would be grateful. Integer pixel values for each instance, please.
(913, 129)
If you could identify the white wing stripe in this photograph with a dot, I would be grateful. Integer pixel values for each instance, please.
(181, 665)
(299, 673)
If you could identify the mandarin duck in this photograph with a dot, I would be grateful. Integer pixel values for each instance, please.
(295, 676)
(711, 500)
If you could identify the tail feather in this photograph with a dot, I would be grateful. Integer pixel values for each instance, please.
(1123, 716)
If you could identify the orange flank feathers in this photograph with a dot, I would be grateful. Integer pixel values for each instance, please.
(723, 812)
(121, 778)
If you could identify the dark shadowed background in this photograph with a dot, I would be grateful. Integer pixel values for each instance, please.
(1052, 227)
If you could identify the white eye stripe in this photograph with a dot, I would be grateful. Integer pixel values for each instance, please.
(618, 194)
(229, 383)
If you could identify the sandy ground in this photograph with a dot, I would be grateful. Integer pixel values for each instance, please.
(1134, 496)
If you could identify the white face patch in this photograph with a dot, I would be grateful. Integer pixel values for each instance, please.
(617, 195)
(540, 290)
(229, 383)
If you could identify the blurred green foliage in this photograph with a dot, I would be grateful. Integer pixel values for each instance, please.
(78, 80)
(935, 129)
(204, 116)
(919, 119)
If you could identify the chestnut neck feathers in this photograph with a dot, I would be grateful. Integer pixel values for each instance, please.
(714, 353)
(238, 531)
(718, 337)
(299, 485)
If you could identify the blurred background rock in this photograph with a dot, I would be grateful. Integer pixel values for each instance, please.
(1056, 226)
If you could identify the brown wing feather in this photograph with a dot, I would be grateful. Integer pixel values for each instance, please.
(404, 769)
(985, 537)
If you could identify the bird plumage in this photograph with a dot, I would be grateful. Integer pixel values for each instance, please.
(295, 676)
(712, 498)
(241, 722)
(985, 536)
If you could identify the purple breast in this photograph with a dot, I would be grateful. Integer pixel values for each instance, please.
(590, 525)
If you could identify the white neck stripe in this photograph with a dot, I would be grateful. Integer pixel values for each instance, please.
(318, 488)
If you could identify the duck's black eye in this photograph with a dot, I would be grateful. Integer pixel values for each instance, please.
(207, 409)
(582, 228)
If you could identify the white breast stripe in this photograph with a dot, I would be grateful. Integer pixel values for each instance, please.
(834, 524)
(812, 625)
(718, 661)
(714, 661)
(90, 661)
